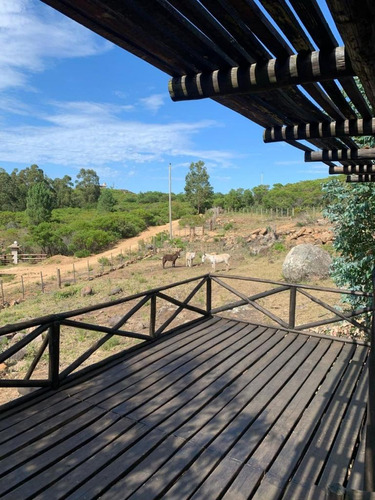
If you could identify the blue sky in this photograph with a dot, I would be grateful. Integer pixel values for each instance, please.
(70, 99)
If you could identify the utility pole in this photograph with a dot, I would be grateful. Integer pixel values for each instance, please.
(170, 202)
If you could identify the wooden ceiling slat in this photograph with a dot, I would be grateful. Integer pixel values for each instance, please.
(289, 24)
(341, 154)
(354, 20)
(208, 24)
(232, 22)
(314, 21)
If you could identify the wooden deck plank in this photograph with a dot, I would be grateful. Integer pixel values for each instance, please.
(36, 431)
(46, 459)
(145, 367)
(227, 378)
(217, 437)
(51, 440)
(322, 429)
(245, 388)
(256, 454)
(194, 370)
(76, 467)
(228, 412)
(191, 365)
(357, 473)
(336, 467)
(260, 428)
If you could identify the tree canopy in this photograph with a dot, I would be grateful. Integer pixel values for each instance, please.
(198, 189)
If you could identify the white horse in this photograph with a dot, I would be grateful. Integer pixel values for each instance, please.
(190, 256)
(216, 259)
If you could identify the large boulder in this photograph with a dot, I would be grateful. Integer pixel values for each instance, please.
(306, 261)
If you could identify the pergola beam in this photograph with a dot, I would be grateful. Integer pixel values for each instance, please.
(340, 154)
(320, 130)
(360, 178)
(274, 74)
(352, 169)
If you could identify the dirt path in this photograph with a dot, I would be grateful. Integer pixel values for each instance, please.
(64, 263)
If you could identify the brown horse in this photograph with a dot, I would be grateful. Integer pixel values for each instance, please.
(171, 257)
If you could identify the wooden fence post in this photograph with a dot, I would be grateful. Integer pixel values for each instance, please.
(23, 287)
(58, 278)
(2, 292)
(54, 354)
(41, 281)
(292, 306)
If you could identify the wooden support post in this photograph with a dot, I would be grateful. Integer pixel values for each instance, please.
(292, 306)
(54, 354)
(58, 278)
(41, 281)
(370, 431)
(23, 287)
(209, 294)
(153, 316)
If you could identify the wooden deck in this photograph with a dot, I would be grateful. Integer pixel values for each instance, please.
(222, 409)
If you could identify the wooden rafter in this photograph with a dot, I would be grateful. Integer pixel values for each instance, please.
(352, 169)
(345, 128)
(275, 73)
(340, 154)
(360, 178)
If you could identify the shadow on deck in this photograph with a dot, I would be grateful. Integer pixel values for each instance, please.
(218, 408)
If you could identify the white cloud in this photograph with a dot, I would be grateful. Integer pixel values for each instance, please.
(31, 34)
(153, 102)
(92, 134)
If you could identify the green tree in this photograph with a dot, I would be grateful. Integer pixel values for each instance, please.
(106, 201)
(350, 208)
(88, 187)
(39, 203)
(259, 193)
(198, 189)
(63, 189)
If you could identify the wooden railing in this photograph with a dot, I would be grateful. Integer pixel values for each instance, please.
(50, 326)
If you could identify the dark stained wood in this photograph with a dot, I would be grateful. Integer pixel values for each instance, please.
(352, 169)
(352, 21)
(221, 409)
(325, 129)
(294, 70)
(340, 154)
(360, 178)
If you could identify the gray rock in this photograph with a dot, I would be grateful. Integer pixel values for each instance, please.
(306, 261)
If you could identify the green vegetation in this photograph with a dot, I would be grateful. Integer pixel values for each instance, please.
(59, 216)
(351, 209)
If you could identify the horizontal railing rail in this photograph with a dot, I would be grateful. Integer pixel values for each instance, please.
(49, 327)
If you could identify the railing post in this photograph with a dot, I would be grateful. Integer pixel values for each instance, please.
(153, 316)
(209, 294)
(292, 306)
(54, 354)
(370, 434)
